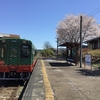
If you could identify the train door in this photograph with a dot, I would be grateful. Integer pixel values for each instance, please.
(13, 55)
(2, 54)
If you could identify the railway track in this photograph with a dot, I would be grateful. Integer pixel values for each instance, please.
(11, 90)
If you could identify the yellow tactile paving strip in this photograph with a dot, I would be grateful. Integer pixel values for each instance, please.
(47, 87)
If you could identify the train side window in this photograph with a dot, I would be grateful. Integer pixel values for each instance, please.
(13, 52)
(34, 52)
(2, 52)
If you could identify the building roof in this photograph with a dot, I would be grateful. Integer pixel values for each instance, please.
(93, 39)
(3, 35)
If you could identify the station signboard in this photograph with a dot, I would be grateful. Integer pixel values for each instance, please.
(88, 60)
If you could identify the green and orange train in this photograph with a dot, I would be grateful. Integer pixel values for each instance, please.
(16, 59)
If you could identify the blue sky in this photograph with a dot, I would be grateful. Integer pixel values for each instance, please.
(37, 20)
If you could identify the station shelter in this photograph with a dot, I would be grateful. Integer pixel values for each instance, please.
(71, 51)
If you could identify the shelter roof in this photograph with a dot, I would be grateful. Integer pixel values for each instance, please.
(69, 44)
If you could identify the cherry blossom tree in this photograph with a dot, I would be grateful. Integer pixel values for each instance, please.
(68, 29)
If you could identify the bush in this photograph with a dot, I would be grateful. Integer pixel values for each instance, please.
(94, 53)
(47, 53)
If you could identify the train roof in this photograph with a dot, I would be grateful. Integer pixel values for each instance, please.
(16, 39)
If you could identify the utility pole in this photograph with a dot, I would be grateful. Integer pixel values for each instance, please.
(57, 48)
(80, 41)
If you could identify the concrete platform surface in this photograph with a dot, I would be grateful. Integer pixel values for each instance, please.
(70, 82)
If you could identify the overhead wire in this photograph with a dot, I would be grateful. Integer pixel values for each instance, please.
(94, 12)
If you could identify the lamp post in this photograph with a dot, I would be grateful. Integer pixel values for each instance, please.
(80, 41)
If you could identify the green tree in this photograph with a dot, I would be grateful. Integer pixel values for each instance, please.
(47, 45)
(48, 50)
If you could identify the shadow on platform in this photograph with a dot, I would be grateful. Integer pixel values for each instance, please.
(87, 72)
(58, 64)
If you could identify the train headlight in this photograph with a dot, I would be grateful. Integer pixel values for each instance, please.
(24, 41)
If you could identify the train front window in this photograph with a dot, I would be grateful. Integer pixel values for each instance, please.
(25, 51)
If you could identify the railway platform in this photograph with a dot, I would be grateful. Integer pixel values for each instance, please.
(38, 87)
(58, 80)
(35, 86)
